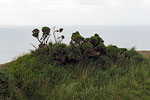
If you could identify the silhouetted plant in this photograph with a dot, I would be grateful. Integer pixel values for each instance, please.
(82, 49)
(93, 46)
(46, 35)
(95, 40)
(58, 39)
(76, 39)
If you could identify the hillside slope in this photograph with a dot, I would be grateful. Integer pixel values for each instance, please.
(85, 69)
(34, 81)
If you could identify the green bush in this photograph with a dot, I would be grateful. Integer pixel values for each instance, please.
(4, 85)
(85, 69)
(8, 90)
(80, 49)
(87, 48)
(103, 62)
(96, 40)
(46, 30)
(60, 52)
(75, 54)
(76, 39)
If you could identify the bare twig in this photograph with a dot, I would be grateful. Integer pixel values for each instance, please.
(33, 45)
(47, 38)
(54, 34)
(39, 40)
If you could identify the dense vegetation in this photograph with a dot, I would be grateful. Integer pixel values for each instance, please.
(85, 69)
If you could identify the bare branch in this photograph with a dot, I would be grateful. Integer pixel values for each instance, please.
(47, 38)
(39, 40)
(54, 34)
(33, 45)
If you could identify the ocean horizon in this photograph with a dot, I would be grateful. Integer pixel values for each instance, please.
(16, 40)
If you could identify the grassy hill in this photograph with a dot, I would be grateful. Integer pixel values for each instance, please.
(29, 80)
(83, 72)
(145, 53)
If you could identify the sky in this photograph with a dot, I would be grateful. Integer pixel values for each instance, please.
(75, 12)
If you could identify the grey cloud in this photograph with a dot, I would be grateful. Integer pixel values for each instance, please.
(99, 2)
(91, 2)
(74, 11)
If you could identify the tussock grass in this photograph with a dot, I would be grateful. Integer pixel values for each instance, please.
(35, 81)
(84, 70)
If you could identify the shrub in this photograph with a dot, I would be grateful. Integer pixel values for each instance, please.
(87, 49)
(46, 35)
(103, 62)
(82, 49)
(5, 83)
(75, 54)
(93, 46)
(114, 52)
(60, 52)
(76, 39)
(96, 40)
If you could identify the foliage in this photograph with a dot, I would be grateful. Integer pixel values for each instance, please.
(80, 82)
(60, 52)
(76, 39)
(85, 69)
(8, 88)
(82, 49)
(4, 85)
(46, 35)
(96, 40)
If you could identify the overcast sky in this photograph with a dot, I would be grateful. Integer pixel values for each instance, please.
(75, 12)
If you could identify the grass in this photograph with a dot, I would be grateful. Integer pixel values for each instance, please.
(35, 77)
(34, 81)
(5, 66)
(85, 69)
(145, 53)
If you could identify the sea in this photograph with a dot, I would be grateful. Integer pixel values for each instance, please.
(16, 41)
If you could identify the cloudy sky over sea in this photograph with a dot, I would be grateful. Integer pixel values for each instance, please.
(75, 12)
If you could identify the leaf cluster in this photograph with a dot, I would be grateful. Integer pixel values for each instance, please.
(81, 50)
(46, 33)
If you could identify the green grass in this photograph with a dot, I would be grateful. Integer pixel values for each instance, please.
(85, 69)
(35, 81)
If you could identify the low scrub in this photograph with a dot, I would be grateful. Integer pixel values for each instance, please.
(87, 50)
(85, 69)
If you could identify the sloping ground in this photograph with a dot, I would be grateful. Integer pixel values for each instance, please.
(84, 70)
(145, 53)
(4, 66)
(33, 80)
(1, 66)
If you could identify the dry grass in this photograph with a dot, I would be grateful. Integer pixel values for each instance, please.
(145, 53)
(1, 66)
(4, 66)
